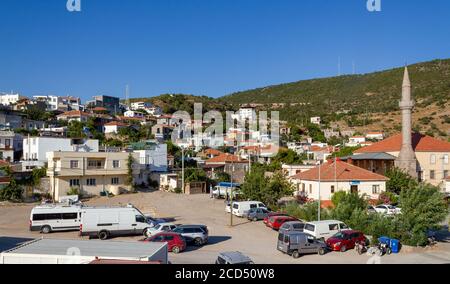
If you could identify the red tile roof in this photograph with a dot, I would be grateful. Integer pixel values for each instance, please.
(343, 172)
(116, 123)
(225, 158)
(213, 152)
(99, 109)
(74, 113)
(421, 143)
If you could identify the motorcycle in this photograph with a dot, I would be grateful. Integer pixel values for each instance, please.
(361, 247)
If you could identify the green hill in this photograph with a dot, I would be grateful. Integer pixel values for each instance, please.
(374, 92)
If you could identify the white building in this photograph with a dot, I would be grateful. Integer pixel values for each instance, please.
(134, 114)
(140, 105)
(332, 177)
(292, 170)
(356, 141)
(375, 135)
(10, 99)
(10, 146)
(51, 101)
(114, 127)
(316, 120)
(447, 185)
(35, 149)
(247, 113)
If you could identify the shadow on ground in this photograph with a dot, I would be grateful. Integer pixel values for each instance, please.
(212, 240)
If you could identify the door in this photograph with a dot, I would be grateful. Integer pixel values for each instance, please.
(310, 244)
(354, 189)
(70, 221)
(140, 224)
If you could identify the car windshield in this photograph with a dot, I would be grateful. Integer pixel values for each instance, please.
(391, 207)
(340, 236)
(343, 226)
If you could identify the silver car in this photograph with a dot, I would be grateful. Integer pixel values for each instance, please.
(295, 226)
(197, 234)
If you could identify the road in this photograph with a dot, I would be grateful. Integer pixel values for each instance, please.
(251, 238)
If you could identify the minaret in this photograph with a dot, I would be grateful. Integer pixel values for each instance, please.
(406, 160)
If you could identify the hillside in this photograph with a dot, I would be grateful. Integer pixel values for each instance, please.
(374, 92)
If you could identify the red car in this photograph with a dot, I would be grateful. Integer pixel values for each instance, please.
(345, 240)
(175, 242)
(273, 214)
(275, 222)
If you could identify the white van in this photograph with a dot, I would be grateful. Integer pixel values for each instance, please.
(241, 209)
(104, 222)
(324, 229)
(49, 218)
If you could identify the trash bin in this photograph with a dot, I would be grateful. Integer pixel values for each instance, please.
(395, 246)
(385, 240)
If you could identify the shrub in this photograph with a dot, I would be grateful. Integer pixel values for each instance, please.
(74, 191)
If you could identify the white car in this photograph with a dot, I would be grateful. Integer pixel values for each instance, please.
(388, 209)
(160, 228)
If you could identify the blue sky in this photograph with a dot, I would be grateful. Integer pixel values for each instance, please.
(207, 47)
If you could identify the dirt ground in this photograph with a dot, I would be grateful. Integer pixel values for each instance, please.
(251, 238)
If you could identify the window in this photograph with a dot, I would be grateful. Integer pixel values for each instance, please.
(332, 189)
(115, 181)
(446, 160)
(433, 159)
(7, 143)
(116, 164)
(74, 182)
(69, 216)
(91, 182)
(375, 189)
(333, 227)
(310, 189)
(97, 164)
(74, 164)
(445, 174)
(140, 219)
(432, 174)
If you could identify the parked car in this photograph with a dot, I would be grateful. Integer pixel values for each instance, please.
(256, 214)
(160, 228)
(273, 214)
(175, 242)
(298, 243)
(345, 240)
(276, 222)
(241, 209)
(371, 209)
(387, 209)
(197, 234)
(297, 226)
(324, 229)
(233, 258)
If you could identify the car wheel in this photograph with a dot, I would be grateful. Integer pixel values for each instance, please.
(321, 251)
(389, 251)
(343, 248)
(255, 219)
(46, 229)
(176, 250)
(146, 233)
(198, 241)
(295, 254)
(103, 235)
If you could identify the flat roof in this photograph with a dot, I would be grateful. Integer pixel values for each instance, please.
(94, 248)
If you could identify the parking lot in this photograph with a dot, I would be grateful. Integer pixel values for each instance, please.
(252, 238)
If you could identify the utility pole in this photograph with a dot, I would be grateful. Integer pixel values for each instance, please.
(318, 215)
(231, 193)
(182, 169)
(54, 180)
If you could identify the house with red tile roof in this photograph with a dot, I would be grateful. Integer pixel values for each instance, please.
(232, 164)
(334, 176)
(74, 115)
(447, 185)
(433, 155)
(113, 127)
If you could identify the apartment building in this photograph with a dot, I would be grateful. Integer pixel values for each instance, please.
(10, 99)
(10, 146)
(52, 102)
(35, 149)
(90, 172)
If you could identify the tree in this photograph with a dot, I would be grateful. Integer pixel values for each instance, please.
(75, 129)
(130, 179)
(222, 177)
(347, 205)
(399, 181)
(423, 208)
(268, 190)
(345, 152)
(13, 191)
(195, 175)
